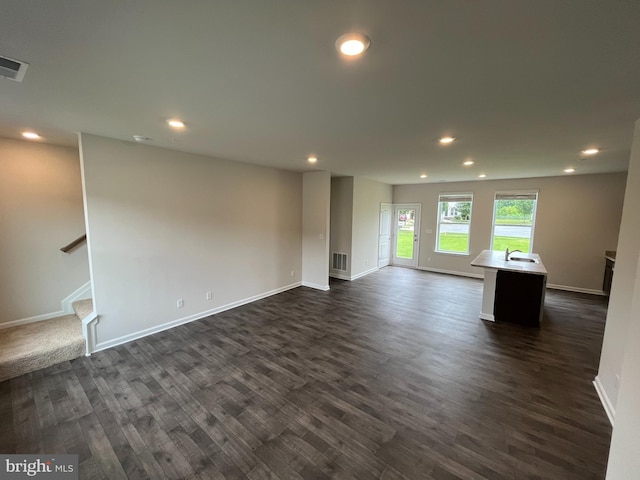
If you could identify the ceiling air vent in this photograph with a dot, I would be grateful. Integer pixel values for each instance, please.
(12, 69)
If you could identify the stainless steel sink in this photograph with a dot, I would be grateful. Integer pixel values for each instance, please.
(522, 259)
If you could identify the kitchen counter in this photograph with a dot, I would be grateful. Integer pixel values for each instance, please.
(495, 259)
(513, 290)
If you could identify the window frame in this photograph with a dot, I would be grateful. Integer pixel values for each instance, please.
(515, 194)
(446, 195)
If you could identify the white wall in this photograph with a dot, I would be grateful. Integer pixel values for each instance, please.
(578, 218)
(316, 200)
(618, 314)
(621, 346)
(165, 225)
(40, 212)
(367, 197)
(341, 222)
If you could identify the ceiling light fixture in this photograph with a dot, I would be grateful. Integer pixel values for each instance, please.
(175, 123)
(446, 140)
(468, 162)
(312, 159)
(352, 44)
(590, 151)
(142, 138)
(31, 135)
(569, 170)
(424, 175)
(482, 175)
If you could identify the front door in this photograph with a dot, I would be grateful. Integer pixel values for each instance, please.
(406, 235)
(385, 235)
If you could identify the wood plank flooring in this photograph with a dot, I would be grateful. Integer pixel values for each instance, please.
(392, 376)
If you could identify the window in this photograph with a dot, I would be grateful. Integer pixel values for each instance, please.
(514, 218)
(454, 219)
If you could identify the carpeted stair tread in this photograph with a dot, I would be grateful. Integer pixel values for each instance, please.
(83, 307)
(38, 345)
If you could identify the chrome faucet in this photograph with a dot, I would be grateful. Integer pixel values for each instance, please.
(507, 253)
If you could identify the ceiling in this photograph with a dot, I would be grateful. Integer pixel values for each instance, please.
(523, 85)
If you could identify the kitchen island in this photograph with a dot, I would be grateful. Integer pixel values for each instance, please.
(514, 286)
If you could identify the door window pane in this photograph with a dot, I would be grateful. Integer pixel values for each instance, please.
(405, 233)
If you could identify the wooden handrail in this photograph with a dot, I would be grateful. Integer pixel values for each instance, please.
(74, 244)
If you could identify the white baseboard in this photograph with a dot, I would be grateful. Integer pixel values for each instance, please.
(366, 272)
(353, 277)
(37, 318)
(549, 285)
(324, 288)
(191, 318)
(451, 272)
(604, 399)
(339, 276)
(65, 309)
(487, 316)
(575, 289)
(81, 293)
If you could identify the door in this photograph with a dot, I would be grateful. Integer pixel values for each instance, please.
(384, 236)
(406, 235)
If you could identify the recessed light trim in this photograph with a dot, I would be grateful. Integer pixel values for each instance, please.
(424, 175)
(353, 44)
(312, 159)
(482, 175)
(31, 135)
(467, 163)
(175, 123)
(590, 151)
(569, 170)
(446, 140)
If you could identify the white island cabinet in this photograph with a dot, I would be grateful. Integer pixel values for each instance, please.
(513, 288)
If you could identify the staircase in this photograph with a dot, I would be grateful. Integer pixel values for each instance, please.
(39, 345)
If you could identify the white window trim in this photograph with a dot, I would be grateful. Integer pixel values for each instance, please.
(533, 216)
(437, 245)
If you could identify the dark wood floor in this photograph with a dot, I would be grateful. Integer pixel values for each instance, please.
(391, 376)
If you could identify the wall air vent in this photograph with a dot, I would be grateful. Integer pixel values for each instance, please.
(339, 261)
(12, 69)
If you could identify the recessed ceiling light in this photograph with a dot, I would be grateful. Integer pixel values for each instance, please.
(569, 170)
(141, 138)
(175, 123)
(446, 140)
(312, 159)
(352, 44)
(424, 175)
(482, 175)
(31, 135)
(590, 151)
(468, 162)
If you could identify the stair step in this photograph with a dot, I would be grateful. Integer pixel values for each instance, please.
(39, 345)
(83, 308)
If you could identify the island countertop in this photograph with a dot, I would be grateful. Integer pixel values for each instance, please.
(495, 260)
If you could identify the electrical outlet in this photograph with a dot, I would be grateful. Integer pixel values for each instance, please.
(180, 303)
(293, 273)
(209, 295)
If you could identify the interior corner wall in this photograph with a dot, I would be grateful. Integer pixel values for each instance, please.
(40, 212)
(577, 219)
(165, 225)
(621, 347)
(341, 222)
(624, 278)
(316, 207)
(367, 197)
